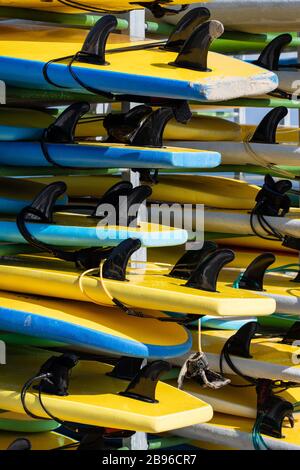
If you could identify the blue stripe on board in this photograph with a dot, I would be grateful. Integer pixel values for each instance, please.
(25, 323)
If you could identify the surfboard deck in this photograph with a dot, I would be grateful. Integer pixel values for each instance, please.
(253, 16)
(226, 432)
(185, 189)
(89, 328)
(148, 287)
(39, 441)
(151, 65)
(94, 397)
(17, 422)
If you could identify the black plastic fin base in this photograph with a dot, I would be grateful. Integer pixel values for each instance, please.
(62, 131)
(292, 334)
(159, 11)
(59, 367)
(269, 57)
(93, 49)
(265, 132)
(272, 409)
(126, 368)
(253, 277)
(93, 440)
(143, 386)
(206, 274)
(271, 199)
(187, 264)
(193, 54)
(116, 263)
(185, 27)
(147, 175)
(121, 126)
(239, 343)
(20, 444)
(291, 242)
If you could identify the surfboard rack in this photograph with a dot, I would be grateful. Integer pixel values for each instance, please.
(265, 132)
(253, 276)
(193, 54)
(271, 199)
(185, 27)
(59, 369)
(126, 368)
(269, 57)
(205, 276)
(143, 385)
(116, 263)
(272, 410)
(93, 49)
(189, 261)
(62, 131)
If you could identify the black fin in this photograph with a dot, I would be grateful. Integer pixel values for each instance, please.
(122, 208)
(182, 112)
(253, 277)
(143, 386)
(115, 265)
(59, 367)
(93, 49)
(193, 54)
(112, 195)
(205, 276)
(294, 243)
(239, 343)
(185, 27)
(120, 126)
(45, 201)
(126, 368)
(150, 133)
(93, 440)
(272, 409)
(269, 57)
(292, 334)
(187, 264)
(62, 131)
(20, 444)
(271, 200)
(265, 133)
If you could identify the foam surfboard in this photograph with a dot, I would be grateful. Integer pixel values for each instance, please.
(34, 441)
(17, 422)
(253, 16)
(93, 396)
(185, 189)
(148, 287)
(226, 432)
(150, 66)
(90, 328)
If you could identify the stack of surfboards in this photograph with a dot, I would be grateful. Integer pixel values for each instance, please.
(93, 333)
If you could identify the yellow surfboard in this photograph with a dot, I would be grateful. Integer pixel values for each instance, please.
(97, 6)
(215, 191)
(148, 287)
(94, 397)
(38, 441)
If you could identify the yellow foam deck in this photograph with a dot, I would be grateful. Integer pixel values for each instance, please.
(147, 288)
(93, 397)
(88, 5)
(215, 191)
(39, 441)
